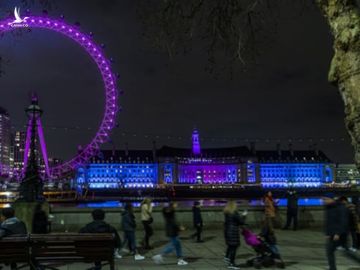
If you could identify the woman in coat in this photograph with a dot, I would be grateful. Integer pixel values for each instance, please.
(269, 209)
(146, 219)
(233, 221)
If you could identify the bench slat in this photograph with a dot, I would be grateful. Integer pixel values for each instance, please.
(60, 247)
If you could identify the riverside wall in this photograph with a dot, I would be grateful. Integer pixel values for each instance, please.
(71, 219)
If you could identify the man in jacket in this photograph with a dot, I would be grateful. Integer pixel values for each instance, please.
(98, 225)
(292, 210)
(172, 232)
(336, 224)
(198, 222)
(128, 224)
(11, 224)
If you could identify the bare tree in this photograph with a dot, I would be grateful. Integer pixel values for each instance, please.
(234, 27)
(343, 17)
(230, 30)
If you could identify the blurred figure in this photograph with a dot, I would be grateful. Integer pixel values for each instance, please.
(356, 202)
(98, 225)
(198, 222)
(40, 222)
(172, 232)
(269, 209)
(233, 221)
(147, 219)
(129, 225)
(292, 210)
(353, 221)
(336, 224)
(268, 234)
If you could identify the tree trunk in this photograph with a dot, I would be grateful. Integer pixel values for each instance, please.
(343, 17)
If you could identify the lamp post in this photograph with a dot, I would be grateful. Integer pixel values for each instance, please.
(31, 186)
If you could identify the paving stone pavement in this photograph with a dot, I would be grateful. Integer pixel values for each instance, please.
(301, 250)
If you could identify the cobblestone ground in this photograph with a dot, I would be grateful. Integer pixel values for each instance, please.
(301, 250)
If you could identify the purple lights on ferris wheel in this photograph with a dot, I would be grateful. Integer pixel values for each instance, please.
(103, 64)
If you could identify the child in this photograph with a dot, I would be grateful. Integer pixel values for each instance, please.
(268, 234)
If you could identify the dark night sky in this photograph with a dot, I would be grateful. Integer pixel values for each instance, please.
(285, 95)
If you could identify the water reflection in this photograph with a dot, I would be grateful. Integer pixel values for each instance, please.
(204, 203)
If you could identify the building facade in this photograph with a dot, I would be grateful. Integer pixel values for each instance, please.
(209, 166)
(347, 174)
(216, 166)
(119, 169)
(294, 168)
(5, 143)
(18, 151)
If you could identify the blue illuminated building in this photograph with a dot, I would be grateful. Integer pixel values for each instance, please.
(211, 166)
(120, 169)
(294, 168)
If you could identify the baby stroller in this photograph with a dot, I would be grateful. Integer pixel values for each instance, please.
(266, 255)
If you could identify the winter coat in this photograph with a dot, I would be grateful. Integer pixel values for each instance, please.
(197, 218)
(336, 219)
(232, 228)
(146, 211)
(12, 226)
(100, 226)
(171, 227)
(40, 223)
(292, 201)
(269, 207)
(128, 222)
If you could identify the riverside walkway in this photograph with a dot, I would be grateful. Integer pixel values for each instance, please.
(301, 250)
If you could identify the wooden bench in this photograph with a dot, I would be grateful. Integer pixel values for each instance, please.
(13, 249)
(48, 250)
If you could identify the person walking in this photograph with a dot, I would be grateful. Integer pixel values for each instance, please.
(40, 222)
(336, 224)
(147, 219)
(98, 225)
(233, 221)
(197, 221)
(172, 232)
(129, 225)
(269, 209)
(292, 210)
(353, 229)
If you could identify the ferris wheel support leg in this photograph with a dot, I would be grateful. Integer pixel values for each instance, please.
(27, 146)
(43, 147)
